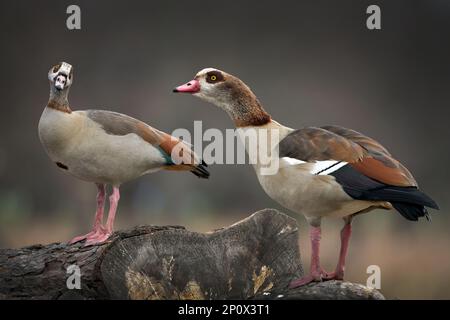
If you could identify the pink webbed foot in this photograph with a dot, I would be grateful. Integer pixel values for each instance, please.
(317, 273)
(313, 277)
(83, 237)
(98, 217)
(104, 233)
(99, 237)
(92, 237)
(302, 281)
(334, 276)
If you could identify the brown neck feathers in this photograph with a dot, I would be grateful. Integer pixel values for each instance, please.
(56, 105)
(246, 109)
(250, 116)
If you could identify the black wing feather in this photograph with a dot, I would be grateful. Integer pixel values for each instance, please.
(409, 201)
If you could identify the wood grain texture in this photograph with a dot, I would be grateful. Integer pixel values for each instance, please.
(255, 258)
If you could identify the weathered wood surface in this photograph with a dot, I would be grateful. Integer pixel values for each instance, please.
(253, 259)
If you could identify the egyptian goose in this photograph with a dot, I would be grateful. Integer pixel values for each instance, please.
(106, 147)
(329, 171)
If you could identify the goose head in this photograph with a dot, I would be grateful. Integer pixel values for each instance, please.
(228, 93)
(61, 76)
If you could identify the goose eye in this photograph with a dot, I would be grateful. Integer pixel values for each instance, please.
(214, 77)
(56, 68)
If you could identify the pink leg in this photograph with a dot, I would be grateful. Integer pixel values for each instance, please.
(345, 239)
(98, 215)
(106, 232)
(316, 272)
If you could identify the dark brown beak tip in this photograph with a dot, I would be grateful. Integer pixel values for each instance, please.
(175, 90)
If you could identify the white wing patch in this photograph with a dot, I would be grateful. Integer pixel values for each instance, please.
(334, 166)
(292, 161)
(319, 167)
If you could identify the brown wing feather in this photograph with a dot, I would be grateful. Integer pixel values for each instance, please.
(179, 151)
(317, 144)
(119, 124)
(379, 163)
(337, 143)
(369, 144)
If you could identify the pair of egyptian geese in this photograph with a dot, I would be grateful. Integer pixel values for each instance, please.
(329, 171)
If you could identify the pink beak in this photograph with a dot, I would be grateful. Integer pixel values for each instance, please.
(192, 86)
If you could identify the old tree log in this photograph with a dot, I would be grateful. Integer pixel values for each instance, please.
(253, 259)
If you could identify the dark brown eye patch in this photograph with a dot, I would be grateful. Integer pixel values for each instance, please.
(214, 77)
(56, 68)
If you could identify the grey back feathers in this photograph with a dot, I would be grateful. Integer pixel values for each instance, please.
(119, 124)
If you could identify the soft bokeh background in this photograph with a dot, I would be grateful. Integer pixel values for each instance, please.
(310, 63)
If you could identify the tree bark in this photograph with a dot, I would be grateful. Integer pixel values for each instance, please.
(255, 258)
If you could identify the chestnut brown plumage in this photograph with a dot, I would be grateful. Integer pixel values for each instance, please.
(324, 172)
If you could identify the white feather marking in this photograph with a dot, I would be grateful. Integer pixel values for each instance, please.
(333, 167)
(319, 167)
(65, 68)
(205, 71)
(292, 161)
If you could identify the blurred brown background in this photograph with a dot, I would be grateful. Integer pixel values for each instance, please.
(310, 63)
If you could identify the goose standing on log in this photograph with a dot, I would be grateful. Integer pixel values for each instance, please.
(106, 147)
(329, 171)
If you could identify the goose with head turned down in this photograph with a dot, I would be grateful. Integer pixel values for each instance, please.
(329, 171)
(106, 147)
